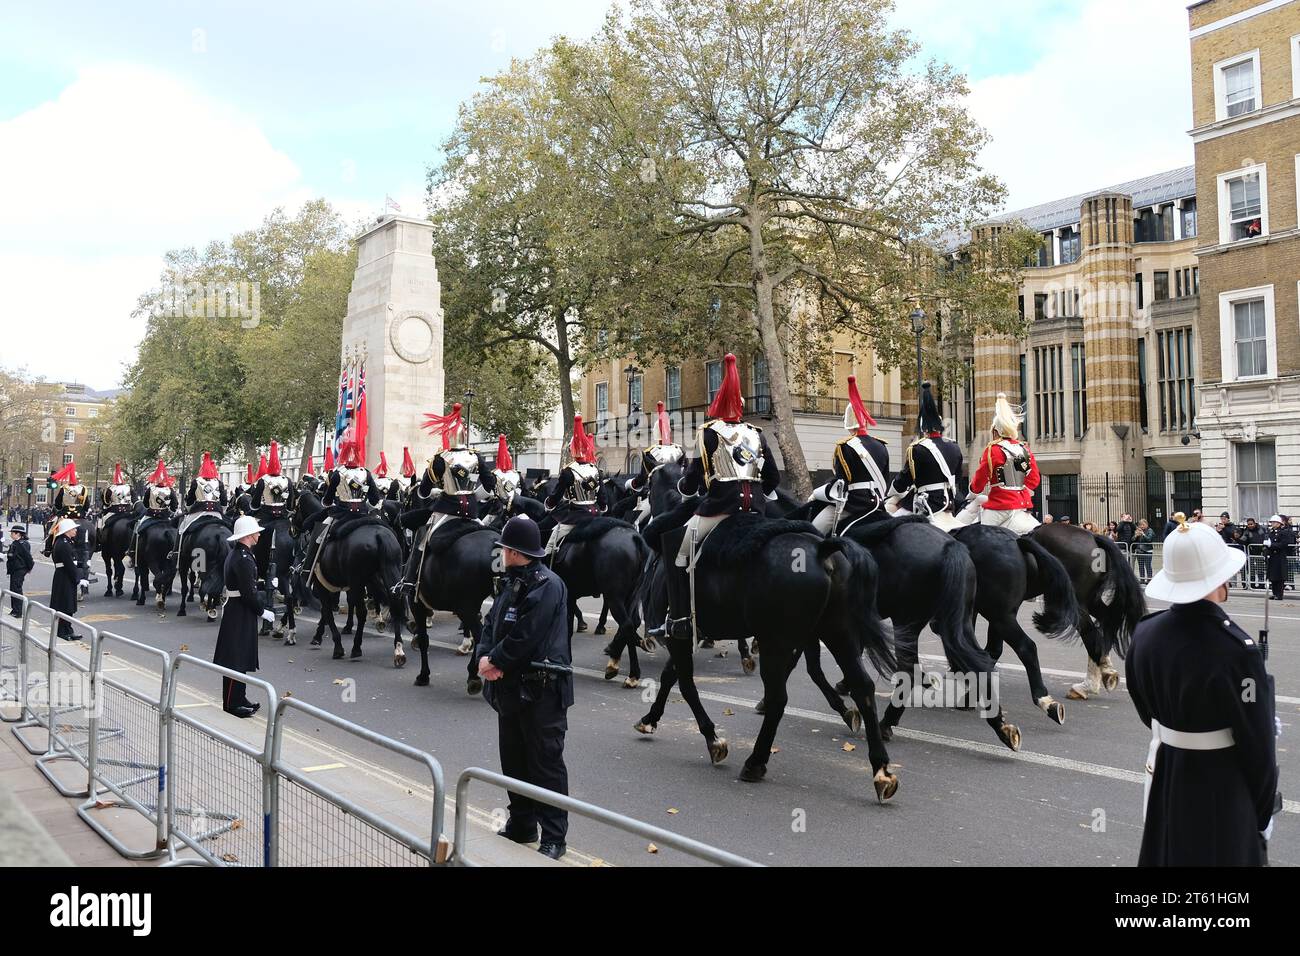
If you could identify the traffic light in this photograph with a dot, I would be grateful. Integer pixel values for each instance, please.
(29, 484)
(51, 483)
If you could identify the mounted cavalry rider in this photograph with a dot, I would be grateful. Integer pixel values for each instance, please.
(927, 483)
(665, 452)
(350, 494)
(389, 488)
(506, 480)
(118, 499)
(308, 481)
(161, 503)
(273, 495)
(861, 461)
(205, 495)
(406, 481)
(1006, 477)
(574, 499)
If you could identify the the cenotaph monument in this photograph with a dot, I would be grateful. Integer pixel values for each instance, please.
(394, 322)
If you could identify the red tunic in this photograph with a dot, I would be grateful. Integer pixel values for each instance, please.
(1000, 498)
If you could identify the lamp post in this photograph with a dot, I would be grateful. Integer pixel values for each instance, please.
(96, 440)
(918, 326)
(631, 372)
(469, 400)
(185, 434)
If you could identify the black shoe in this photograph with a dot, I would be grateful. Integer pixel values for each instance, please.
(518, 834)
(244, 711)
(255, 706)
(553, 850)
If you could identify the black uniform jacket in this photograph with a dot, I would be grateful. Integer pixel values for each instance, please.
(527, 622)
(331, 489)
(63, 592)
(847, 465)
(1278, 551)
(237, 639)
(291, 496)
(928, 472)
(192, 500)
(1193, 669)
(728, 497)
(19, 561)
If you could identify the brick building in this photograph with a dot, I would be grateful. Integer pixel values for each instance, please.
(69, 415)
(1245, 57)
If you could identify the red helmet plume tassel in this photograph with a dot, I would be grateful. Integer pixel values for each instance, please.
(349, 454)
(329, 459)
(665, 426)
(273, 464)
(160, 476)
(67, 473)
(857, 412)
(382, 470)
(408, 466)
(728, 404)
(447, 425)
(582, 446)
(504, 462)
(248, 475)
(208, 469)
(261, 468)
(311, 468)
(117, 473)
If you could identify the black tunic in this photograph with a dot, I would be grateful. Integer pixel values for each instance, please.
(728, 497)
(237, 639)
(1278, 551)
(19, 563)
(63, 592)
(1193, 670)
(527, 622)
(925, 470)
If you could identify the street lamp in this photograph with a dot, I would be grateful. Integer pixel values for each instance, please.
(185, 434)
(469, 400)
(631, 372)
(96, 440)
(918, 326)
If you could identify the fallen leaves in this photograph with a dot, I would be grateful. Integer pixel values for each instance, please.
(728, 713)
(230, 858)
(652, 848)
(339, 680)
(848, 747)
(184, 648)
(673, 810)
(237, 825)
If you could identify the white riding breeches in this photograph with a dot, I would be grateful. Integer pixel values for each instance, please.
(701, 525)
(558, 534)
(824, 520)
(945, 521)
(1021, 522)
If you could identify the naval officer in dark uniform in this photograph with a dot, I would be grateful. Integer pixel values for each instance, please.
(1198, 681)
(528, 625)
(237, 640)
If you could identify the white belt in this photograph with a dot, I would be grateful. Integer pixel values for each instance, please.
(937, 486)
(231, 594)
(864, 486)
(1182, 740)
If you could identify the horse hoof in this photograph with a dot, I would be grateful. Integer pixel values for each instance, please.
(886, 784)
(1077, 692)
(1110, 679)
(338, 653)
(718, 750)
(1010, 735)
(752, 773)
(290, 639)
(347, 629)
(379, 626)
(466, 646)
(474, 686)
(356, 652)
(707, 643)
(747, 665)
(1052, 708)
(399, 661)
(852, 719)
(316, 642)
(421, 680)
(277, 631)
(212, 614)
(600, 629)
(642, 727)
(582, 626)
(761, 706)
(611, 669)
(631, 682)
(647, 644)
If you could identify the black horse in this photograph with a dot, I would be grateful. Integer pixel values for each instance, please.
(366, 560)
(155, 558)
(275, 559)
(202, 560)
(781, 582)
(1110, 597)
(114, 546)
(457, 570)
(604, 557)
(1011, 569)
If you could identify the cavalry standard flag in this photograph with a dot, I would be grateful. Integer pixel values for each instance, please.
(340, 415)
(359, 424)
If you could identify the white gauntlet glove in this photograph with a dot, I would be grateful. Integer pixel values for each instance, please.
(268, 617)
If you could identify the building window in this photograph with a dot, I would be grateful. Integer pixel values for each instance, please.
(1040, 306)
(1142, 383)
(1160, 286)
(67, 457)
(1063, 496)
(1137, 279)
(673, 388)
(635, 392)
(1256, 478)
(762, 388)
(40, 498)
(1079, 370)
(1176, 376)
(93, 413)
(1152, 226)
(1189, 218)
(45, 463)
(968, 410)
(1021, 304)
(602, 403)
(1049, 393)
(1187, 281)
(714, 370)
(1045, 251)
(1069, 247)
(1295, 67)
(1250, 338)
(1024, 392)
(1243, 205)
(70, 412)
(69, 436)
(1236, 85)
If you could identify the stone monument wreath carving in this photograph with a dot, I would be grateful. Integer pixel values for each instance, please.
(412, 336)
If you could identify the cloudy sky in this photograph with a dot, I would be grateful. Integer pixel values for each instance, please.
(125, 135)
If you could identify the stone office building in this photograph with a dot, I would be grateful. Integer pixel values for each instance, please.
(1245, 57)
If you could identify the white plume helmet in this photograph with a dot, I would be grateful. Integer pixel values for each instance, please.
(1006, 417)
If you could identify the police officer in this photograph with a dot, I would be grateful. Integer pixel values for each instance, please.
(1198, 681)
(528, 625)
(18, 563)
(237, 639)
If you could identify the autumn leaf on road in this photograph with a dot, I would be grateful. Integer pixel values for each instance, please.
(652, 848)
(672, 810)
(848, 747)
(728, 713)
(184, 648)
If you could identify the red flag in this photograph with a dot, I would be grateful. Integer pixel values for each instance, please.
(359, 419)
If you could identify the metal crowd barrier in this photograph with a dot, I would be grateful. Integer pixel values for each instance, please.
(34, 711)
(618, 821)
(129, 755)
(12, 656)
(69, 705)
(313, 825)
(218, 788)
(1252, 576)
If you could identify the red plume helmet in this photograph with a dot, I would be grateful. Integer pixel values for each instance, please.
(447, 425)
(857, 412)
(665, 426)
(248, 476)
(160, 476)
(261, 468)
(729, 404)
(208, 469)
(273, 465)
(328, 464)
(382, 470)
(582, 446)
(311, 468)
(504, 462)
(408, 466)
(67, 473)
(117, 473)
(349, 454)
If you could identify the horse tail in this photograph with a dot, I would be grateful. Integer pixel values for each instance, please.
(1119, 618)
(1060, 615)
(853, 581)
(955, 615)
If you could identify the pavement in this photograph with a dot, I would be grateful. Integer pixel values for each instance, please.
(1070, 797)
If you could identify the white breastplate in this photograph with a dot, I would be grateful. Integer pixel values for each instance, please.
(507, 483)
(159, 497)
(460, 476)
(352, 484)
(586, 482)
(119, 494)
(740, 452)
(207, 489)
